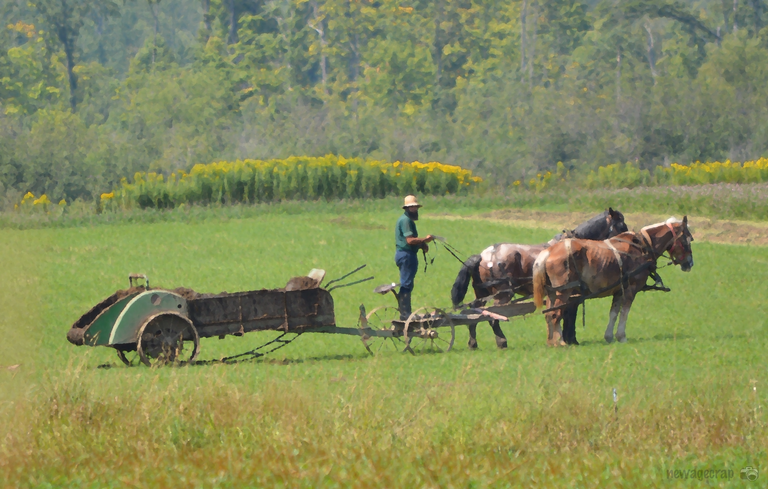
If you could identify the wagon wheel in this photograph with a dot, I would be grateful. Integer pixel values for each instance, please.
(168, 338)
(124, 358)
(421, 336)
(380, 319)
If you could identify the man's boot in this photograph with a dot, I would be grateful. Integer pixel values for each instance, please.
(405, 304)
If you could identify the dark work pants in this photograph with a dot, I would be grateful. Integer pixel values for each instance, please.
(408, 263)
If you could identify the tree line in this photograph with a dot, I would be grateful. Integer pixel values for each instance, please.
(95, 90)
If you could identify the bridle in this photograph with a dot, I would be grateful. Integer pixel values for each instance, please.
(676, 241)
(612, 227)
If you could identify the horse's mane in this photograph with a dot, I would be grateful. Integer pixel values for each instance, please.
(592, 227)
(671, 220)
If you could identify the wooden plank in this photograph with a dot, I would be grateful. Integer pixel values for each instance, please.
(512, 310)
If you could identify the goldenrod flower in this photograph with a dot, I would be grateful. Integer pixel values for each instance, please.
(43, 200)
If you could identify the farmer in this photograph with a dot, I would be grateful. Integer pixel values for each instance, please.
(408, 244)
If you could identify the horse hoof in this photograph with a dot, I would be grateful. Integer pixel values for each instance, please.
(609, 339)
(621, 339)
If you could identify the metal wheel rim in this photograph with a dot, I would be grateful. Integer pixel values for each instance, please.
(165, 343)
(436, 343)
(377, 319)
(124, 358)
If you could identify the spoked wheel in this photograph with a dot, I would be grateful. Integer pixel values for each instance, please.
(420, 336)
(130, 358)
(168, 339)
(380, 320)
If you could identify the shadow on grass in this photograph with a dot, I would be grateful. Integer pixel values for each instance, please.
(630, 340)
(270, 361)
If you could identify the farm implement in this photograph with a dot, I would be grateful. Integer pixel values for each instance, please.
(158, 326)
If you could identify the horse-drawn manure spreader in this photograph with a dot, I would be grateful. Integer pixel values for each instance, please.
(162, 326)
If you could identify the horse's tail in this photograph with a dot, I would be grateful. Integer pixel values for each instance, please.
(540, 278)
(460, 286)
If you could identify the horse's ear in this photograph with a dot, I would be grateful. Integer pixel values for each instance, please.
(610, 211)
(685, 225)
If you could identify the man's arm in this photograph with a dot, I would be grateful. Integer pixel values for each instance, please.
(420, 242)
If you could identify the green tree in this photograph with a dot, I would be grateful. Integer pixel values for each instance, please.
(65, 18)
(56, 151)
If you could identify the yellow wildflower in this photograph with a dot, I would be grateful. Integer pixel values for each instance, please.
(43, 200)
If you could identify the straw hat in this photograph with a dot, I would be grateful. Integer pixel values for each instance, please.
(410, 201)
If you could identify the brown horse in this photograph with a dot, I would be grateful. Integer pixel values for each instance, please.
(618, 267)
(503, 270)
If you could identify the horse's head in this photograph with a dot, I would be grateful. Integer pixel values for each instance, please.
(680, 248)
(603, 226)
(616, 224)
(671, 236)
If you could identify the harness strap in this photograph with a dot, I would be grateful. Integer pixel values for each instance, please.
(584, 298)
(582, 285)
(675, 240)
(616, 254)
(618, 259)
(647, 239)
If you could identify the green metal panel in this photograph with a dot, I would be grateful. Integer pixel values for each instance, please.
(98, 332)
(120, 323)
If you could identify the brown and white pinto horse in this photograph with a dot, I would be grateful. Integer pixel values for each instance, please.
(617, 267)
(503, 270)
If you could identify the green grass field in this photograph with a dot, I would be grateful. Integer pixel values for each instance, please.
(691, 380)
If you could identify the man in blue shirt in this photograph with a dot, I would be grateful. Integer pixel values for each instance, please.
(408, 244)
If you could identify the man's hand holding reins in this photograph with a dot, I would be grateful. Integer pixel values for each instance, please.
(420, 242)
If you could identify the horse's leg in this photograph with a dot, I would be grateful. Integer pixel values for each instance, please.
(615, 305)
(472, 337)
(557, 332)
(554, 333)
(621, 335)
(548, 318)
(501, 340)
(570, 315)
